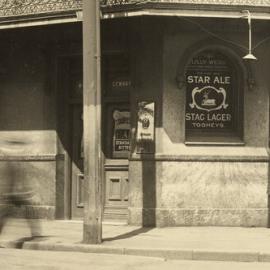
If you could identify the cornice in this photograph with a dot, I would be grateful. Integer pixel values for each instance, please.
(251, 3)
(260, 9)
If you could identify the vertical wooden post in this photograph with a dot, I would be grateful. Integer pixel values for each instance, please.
(92, 230)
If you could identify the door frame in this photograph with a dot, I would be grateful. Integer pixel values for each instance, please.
(76, 174)
(63, 127)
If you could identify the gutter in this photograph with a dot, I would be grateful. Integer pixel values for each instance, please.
(41, 19)
(183, 10)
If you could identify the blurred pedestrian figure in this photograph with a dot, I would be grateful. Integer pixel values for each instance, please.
(16, 190)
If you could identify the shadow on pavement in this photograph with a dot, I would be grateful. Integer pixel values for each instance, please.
(128, 234)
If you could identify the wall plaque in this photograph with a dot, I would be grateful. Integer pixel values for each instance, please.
(210, 95)
(145, 126)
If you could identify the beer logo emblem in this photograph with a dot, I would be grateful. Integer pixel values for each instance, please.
(208, 98)
(145, 123)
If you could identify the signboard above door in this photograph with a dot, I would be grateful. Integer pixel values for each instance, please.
(116, 74)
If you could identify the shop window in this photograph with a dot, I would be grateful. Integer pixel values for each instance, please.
(116, 137)
(213, 99)
(121, 133)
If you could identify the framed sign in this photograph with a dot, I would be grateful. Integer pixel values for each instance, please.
(145, 126)
(121, 133)
(211, 95)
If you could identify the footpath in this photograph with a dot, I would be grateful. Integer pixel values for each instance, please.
(178, 243)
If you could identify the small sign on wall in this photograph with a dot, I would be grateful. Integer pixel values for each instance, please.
(121, 134)
(116, 74)
(146, 126)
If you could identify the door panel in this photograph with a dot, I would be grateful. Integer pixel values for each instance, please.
(116, 187)
(116, 198)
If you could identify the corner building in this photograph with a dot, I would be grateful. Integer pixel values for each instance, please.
(185, 119)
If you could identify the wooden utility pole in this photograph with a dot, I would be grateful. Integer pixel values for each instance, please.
(92, 230)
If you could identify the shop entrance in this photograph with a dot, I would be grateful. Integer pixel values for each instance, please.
(70, 134)
(75, 131)
(115, 144)
(116, 86)
(116, 141)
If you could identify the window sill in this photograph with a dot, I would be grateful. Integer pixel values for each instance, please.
(202, 143)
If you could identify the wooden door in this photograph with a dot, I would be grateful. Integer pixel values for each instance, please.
(116, 197)
(76, 137)
(77, 179)
(117, 143)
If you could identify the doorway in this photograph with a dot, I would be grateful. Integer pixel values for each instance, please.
(77, 178)
(69, 130)
(117, 144)
(116, 87)
(115, 140)
(75, 131)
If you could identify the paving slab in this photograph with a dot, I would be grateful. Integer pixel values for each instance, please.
(181, 243)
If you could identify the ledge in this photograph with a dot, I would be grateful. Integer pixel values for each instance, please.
(28, 158)
(116, 164)
(205, 154)
(202, 158)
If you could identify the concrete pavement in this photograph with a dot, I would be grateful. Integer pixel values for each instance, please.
(14, 259)
(185, 243)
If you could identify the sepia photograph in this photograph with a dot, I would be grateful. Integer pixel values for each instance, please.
(134, 134)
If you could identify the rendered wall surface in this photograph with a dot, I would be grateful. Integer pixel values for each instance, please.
(199, 194)
(28, 119)
(37, 176)
(207, 184)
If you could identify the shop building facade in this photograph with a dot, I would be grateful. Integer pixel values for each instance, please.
(185, 119)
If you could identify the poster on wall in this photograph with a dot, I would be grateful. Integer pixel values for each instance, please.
(210, 97)
(121, 133)
(145, 124)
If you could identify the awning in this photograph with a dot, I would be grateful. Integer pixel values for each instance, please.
(185, 13)
(260, 9)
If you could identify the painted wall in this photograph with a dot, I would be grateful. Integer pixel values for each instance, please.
(27, 118)
(198, 185)
(28, 113)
